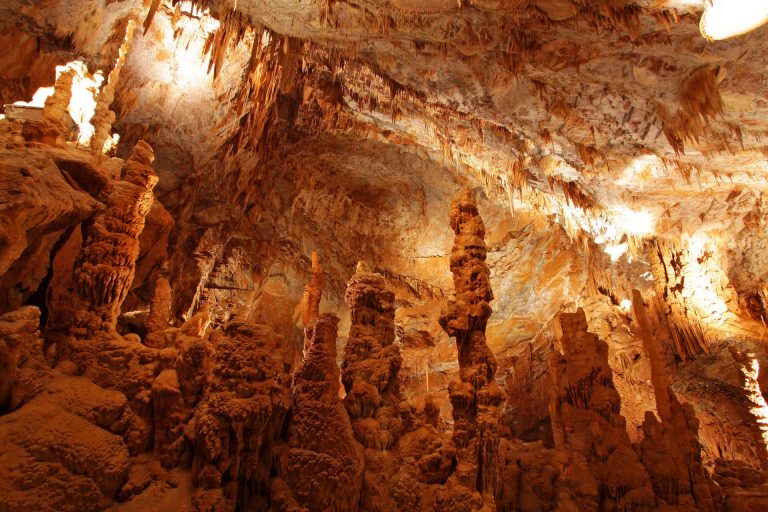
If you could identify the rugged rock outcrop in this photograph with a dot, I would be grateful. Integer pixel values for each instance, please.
(477, 397)
(22, 363)
(603, 470)
(65, 446)
(236, 428)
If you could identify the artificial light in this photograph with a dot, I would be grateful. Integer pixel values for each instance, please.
(728, 18)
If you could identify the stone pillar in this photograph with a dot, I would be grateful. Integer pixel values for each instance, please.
(106, 264)
(477, 397)
(603, 472)
(372, 361)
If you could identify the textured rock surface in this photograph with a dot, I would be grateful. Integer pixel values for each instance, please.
(162, 345)
(105, 267)
(476, 398)
(603, 470)
(323, 467)
(371, 363)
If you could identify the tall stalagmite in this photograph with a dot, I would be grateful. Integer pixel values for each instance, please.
(477, 397)
(670, 450)
(323, 468)
(53, 128)
(604, 472)
(105, 267)
(371, 361)
(309, 308)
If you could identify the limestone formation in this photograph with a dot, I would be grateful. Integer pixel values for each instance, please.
(159, 311)
(603, 472)
(106, 264)
(477, 397)
(309, 308)
(236, 428)
(323, 467)
(671, 451)
(152, 357)
(103, 117)
(54, 128)
(371, 361)
(22, 364)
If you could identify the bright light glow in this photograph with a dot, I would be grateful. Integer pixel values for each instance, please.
(638, 223)
(188, 67)
(704, 280)
(625, 305)
(82, 106)
(728, 18)
(758, 407)
(616, 251)
(110, 143)
(38, 99)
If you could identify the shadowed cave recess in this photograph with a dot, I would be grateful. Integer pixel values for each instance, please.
(389, 255)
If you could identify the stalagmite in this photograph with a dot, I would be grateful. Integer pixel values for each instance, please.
(159, 313)
(309, 308)
(236, 428)
(323, 468)
(106, 264)
(670, 450)
(371, 361)
(477, 397)
(53, 128)
(103, 118)
(604, 472)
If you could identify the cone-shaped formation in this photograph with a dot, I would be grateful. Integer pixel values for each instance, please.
(103, 118)
(159, 312)
(105, 267)
(53, 128)
(604, 472)
(670, 450)
(476, 399)
(309, 309)
(236, 427)
(324, 465)
(372, 362)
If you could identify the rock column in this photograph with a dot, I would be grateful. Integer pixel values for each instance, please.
(603, 472)
(106, 264)
(477, 397)
(372, 361)
(671, 451)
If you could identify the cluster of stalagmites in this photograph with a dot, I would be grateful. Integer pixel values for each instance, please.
(604, 471)
(219, 420)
